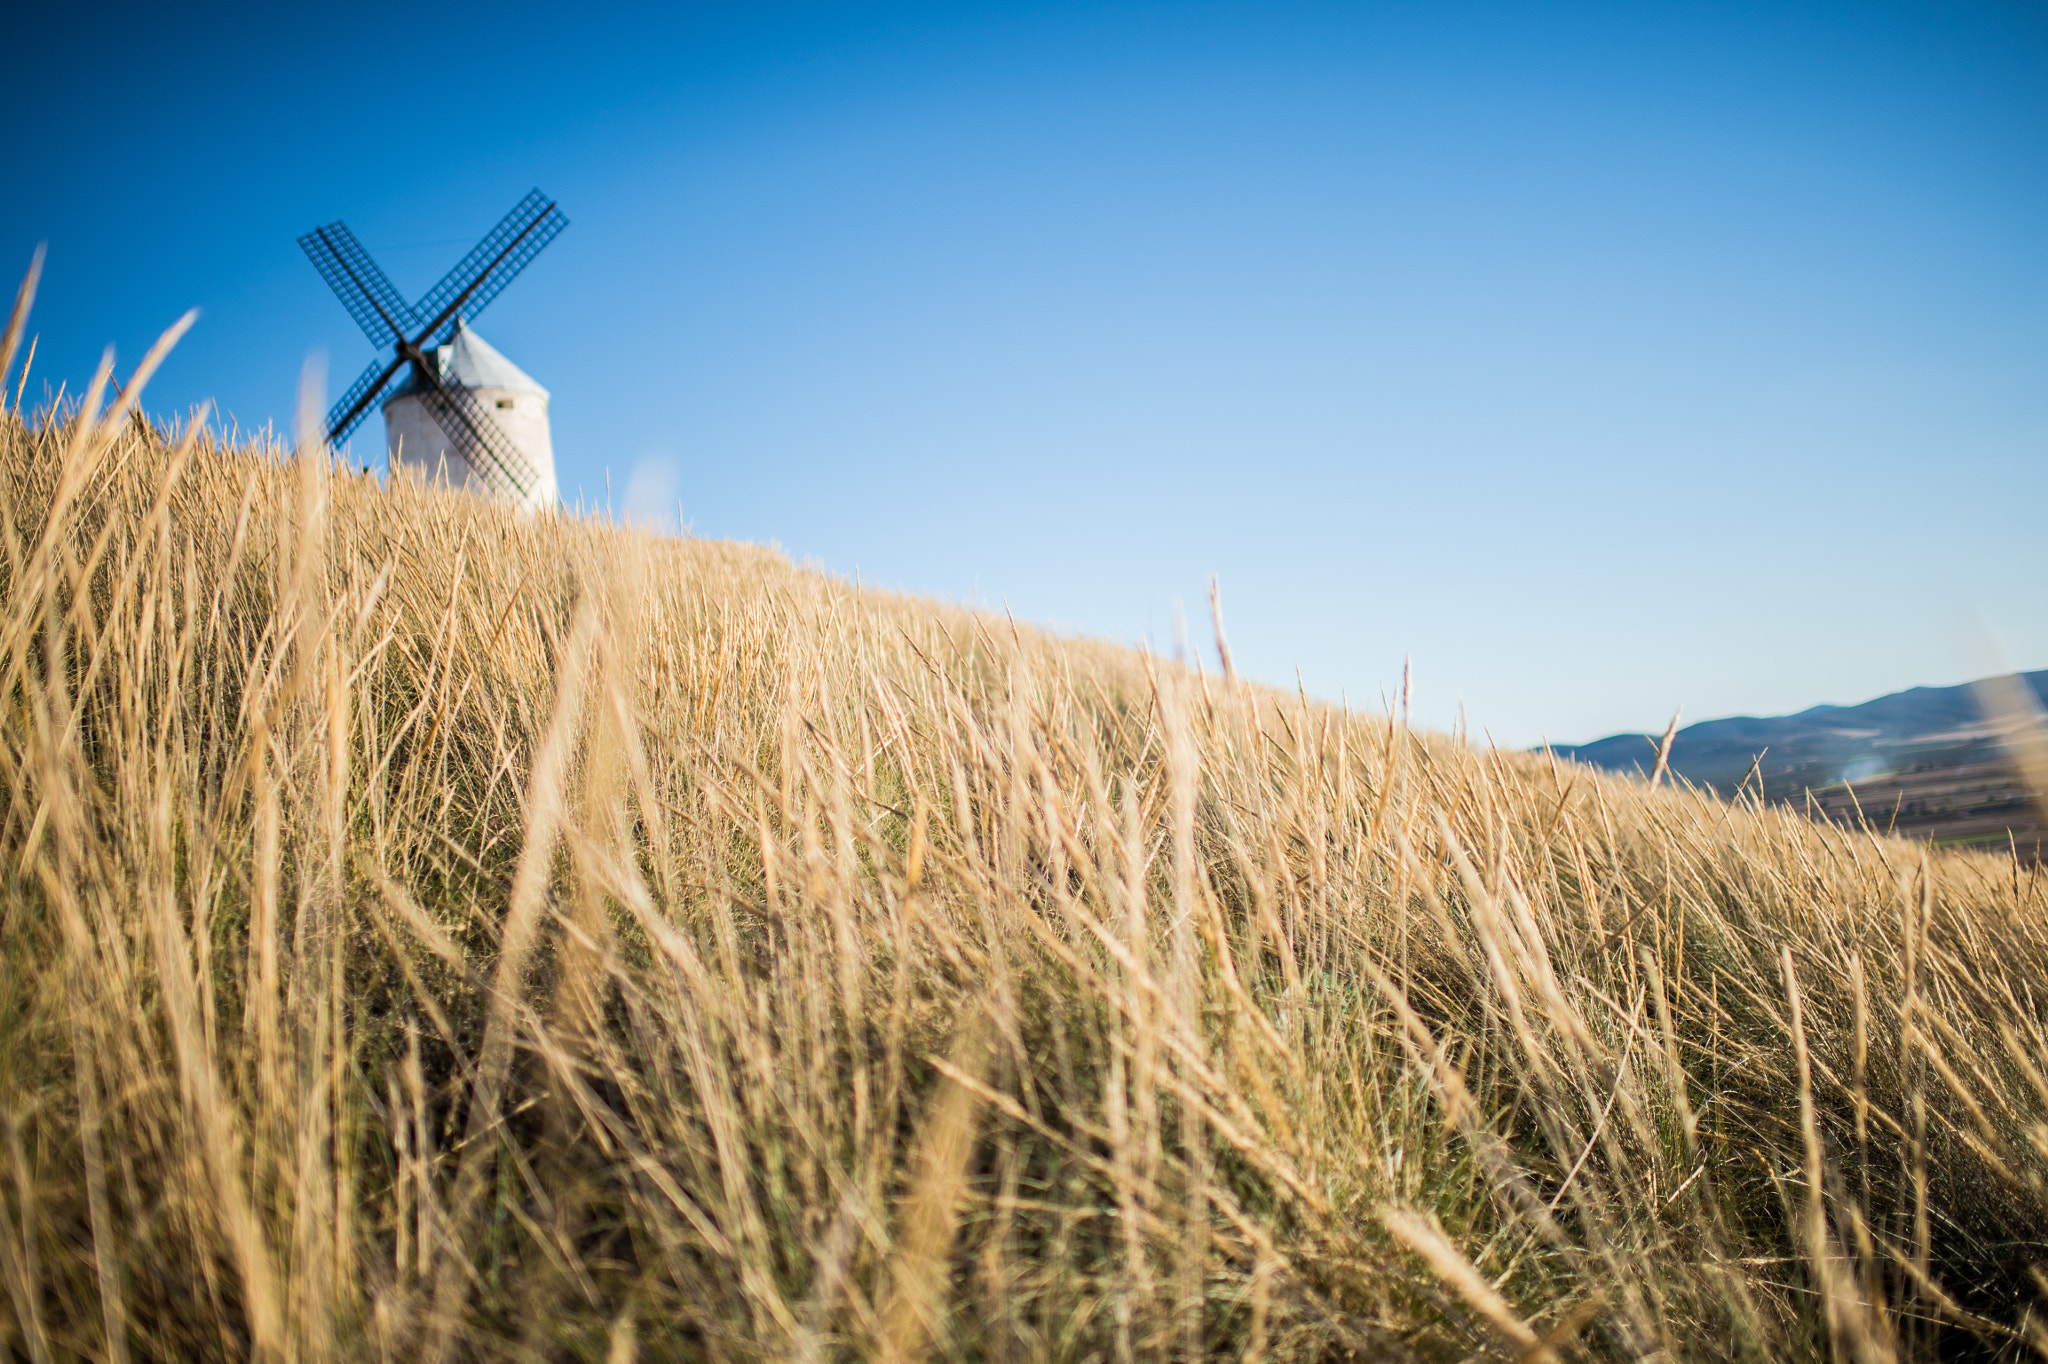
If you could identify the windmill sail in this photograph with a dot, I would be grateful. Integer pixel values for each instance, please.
(347, 414)
(436, 401)
(468, 416)
(483, 274)
(479, 440)
(378, 309)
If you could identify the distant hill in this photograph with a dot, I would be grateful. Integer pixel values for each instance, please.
(1923, 762)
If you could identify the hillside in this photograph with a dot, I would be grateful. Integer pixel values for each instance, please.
(1924, 763)
(437, 935)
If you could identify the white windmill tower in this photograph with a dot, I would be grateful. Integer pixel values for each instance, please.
(464, 413)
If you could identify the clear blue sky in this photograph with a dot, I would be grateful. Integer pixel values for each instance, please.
(1604, 358)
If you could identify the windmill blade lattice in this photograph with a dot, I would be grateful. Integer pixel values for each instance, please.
(349, 413)
(383, 314)
(483, 274)
(480, 441)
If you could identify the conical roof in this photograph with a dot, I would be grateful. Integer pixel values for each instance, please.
(469, 361)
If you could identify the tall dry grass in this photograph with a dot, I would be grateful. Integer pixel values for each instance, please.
(435, 935)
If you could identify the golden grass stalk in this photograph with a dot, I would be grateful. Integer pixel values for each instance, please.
(430, 932)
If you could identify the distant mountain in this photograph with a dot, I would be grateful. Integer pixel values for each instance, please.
(1921, 761)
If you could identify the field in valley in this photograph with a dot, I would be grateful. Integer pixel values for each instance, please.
(436, 935)
(1981, 802)
(1945, 766)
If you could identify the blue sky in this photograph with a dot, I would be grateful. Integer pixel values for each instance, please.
(1603, 358)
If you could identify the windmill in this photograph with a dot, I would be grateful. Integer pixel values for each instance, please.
(464, 412)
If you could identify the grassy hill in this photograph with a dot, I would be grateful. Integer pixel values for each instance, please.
(1924, 763)
(436, 935)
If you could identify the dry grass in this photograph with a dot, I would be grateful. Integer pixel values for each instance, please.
(430, 934)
